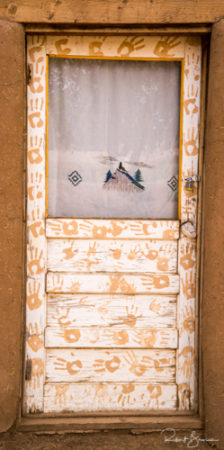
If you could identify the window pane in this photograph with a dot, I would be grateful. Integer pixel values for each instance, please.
(113, 138)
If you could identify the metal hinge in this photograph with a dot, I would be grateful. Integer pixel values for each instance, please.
(28, 371)
(189, 182)
(28, 74)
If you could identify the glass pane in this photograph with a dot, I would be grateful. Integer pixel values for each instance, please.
(113, 138)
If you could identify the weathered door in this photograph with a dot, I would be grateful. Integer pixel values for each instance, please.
(111, 217)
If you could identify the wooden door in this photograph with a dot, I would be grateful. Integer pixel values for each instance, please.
(110, 312)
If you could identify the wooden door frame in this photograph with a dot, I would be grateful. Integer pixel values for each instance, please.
(207, 18)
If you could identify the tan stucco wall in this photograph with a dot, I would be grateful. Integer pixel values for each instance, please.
(212, 301)
(12, 113)
(13, 150)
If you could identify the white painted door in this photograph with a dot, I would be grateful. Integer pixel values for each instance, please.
(112, 207)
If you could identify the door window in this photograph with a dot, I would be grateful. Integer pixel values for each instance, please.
(113, 138)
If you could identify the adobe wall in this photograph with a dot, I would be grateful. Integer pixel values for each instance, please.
(212, 301)
(12, 129)
(13, 151)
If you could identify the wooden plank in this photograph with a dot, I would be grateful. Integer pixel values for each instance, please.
(112, 283)
(186, 354)
(120, 397)
(37, 243)
(107, 337)
(185, 371)
(111, 310)
(112, 12)
(111, 256)
(110, 365)
(112, 229)
(199, 29)
(117, 46)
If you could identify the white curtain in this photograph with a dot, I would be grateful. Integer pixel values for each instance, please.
(113, 138)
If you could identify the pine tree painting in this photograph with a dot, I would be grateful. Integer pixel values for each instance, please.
(121, 180)
(108, 176)
(138, 176)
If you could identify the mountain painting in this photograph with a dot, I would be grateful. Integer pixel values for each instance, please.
(121, 180)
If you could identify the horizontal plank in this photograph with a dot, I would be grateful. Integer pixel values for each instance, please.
(120, 397)
(112, 283)
(111, 229)
(65, 366)
(121, 31)
(112, 12)
(111, 255)
(108, 337)
(109, 310)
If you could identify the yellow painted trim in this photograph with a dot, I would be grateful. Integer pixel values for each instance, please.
(46, 143)
(119, 58)
(114, 58)
(181, 137)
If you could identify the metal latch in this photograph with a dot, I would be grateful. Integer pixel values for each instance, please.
(189, 182)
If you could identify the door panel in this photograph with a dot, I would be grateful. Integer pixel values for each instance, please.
(102, 283)
(111, 229)
(107, 397)
(112, 256)
(111, 302)
(104, 310)
(110, 365)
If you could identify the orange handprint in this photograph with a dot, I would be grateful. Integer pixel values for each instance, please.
(59, 44)
(34, 151)
(151, 254)
(187, 259)
(188, 285)
(129, 45)
(72, 367)
(158, 282)
(36, 223)
(35, 86)
(33, 337)
(190, 103)
(38, 42)
(95, 47)
(33, 299)
(70, 227)
(35, 261)
(164, 45)
(34, 185)
(34, 117)
(191, 145)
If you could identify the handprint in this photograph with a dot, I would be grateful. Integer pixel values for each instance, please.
(33, 337)
(190, 102)
(187, 259)
(95, 47)
(36, 223)
(34, 117)
(191, 144)
(59, 46)
(33, 295)
(158, 282)
(34, 186)
(35, 261)
(129, 45)
(72, 367)
(34, 150)
(188, 285)
(164, 45)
